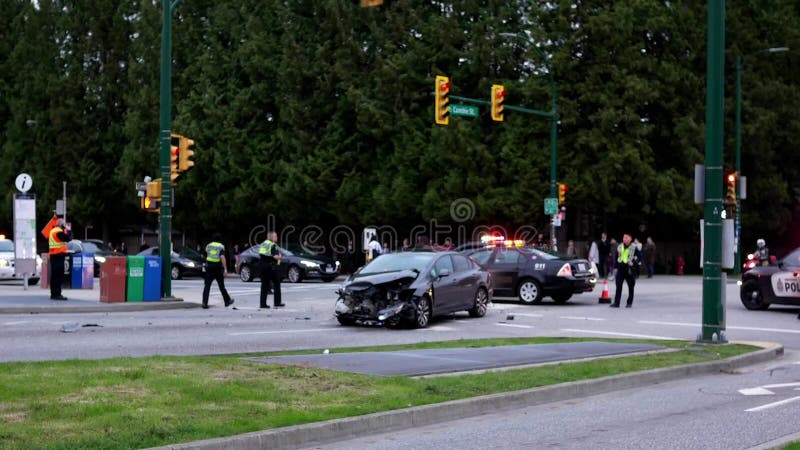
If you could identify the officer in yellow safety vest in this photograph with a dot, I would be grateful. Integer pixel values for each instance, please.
(270, 259)
(625, 270)
(216, 269)
(57, 243)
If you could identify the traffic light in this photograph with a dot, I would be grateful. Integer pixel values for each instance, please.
(562, 193)
(150, 204)
(498, 96)
(730, 195)
(442, 100)
(185, 153)
(174, 173)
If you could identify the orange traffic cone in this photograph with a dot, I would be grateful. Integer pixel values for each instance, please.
(604, 297)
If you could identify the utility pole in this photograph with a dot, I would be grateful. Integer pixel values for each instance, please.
(713, 313)
(165, 216)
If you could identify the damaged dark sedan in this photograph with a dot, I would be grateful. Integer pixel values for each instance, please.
(413, 287)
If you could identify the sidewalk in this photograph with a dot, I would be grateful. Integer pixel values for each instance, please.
(14, 299)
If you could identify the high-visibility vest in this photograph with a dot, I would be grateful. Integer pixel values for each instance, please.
(213, 251)
(57, 246)
(266, 250)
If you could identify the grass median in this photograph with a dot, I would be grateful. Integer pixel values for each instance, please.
(152, 401)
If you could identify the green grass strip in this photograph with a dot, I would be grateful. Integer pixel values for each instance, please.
(142, 402)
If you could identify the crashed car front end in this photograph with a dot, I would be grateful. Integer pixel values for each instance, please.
(387, 302)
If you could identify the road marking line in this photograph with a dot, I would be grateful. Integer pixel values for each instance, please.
(528, 315)
(513, 325)
(782, 385)
(17, 323)
(307, 330)
(681, 324)
(756, 391)
(440, 328)
(772, 405)
(580, 318)
(646, 336)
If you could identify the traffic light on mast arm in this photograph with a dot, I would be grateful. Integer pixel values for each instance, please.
(562, 193)
(442, 100)
(730, 194)
(498, 97)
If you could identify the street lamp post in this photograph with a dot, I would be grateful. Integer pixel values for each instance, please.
(553, 125)
(737, 265)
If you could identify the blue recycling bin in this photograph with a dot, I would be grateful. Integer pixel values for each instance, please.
(82, 276)
(152, 279)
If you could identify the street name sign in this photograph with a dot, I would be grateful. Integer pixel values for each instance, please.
(463, 110)
(550, 206)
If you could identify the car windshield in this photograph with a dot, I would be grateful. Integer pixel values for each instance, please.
(97, 246)
(187, 252)
(538, 254)
(393, 262)
(793, 258)
(90, 247)
(6, 246)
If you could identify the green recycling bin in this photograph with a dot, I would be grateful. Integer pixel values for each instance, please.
(135, 281)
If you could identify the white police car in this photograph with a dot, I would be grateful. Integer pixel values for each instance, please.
(778, 283)
(7, 263)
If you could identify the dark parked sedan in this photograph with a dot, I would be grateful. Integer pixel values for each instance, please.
(778, 283)
(99, 250)
(413, 287)
(530, 274)
(185, 262)
(294, 267)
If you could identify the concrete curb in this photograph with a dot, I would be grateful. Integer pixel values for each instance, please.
(338, 429)
(110, 307)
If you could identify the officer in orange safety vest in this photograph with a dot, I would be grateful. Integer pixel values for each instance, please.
(57, 243)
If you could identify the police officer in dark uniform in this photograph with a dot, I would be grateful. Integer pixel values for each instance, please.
(216, 268)
(270, 256)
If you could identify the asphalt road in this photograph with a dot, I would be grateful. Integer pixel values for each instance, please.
(665, 307)
(707, 412)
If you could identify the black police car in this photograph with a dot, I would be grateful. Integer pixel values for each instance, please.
(185, 262)
(294, 266)
(530, 274)
(778, 283)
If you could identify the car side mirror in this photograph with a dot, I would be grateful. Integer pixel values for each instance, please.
(444, 272)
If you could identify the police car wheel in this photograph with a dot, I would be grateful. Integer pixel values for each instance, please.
(294, 275)
(175, 273)
(245, 274)
(529, 291)
(752, 297)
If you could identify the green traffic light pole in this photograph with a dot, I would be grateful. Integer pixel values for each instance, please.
(737, 267)
(165, 216)
(713, 321)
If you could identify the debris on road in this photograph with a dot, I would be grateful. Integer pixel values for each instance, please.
(70, 327)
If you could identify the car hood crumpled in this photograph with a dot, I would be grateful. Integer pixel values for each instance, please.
(379, 279)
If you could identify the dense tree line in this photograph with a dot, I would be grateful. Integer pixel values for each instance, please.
(322, 112)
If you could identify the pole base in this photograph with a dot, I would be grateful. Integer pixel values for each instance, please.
(171, 299)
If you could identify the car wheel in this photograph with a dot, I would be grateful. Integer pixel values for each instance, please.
(328, 279)
(481, 304)
(32, 281)
(751, 296)
(175, 273)
(245, 274)
(422, 312)
(294, 275)
(346, 321)
(529, 292)
(562, 298)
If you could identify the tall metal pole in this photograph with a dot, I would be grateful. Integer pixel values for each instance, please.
(165, 216)
(713, 313)
(737, 262)
(553, 145)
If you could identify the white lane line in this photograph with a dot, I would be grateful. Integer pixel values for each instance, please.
(645, 336)
(440, 328)
(17, 323)
(580, 318)
(682, 324)
(772, 405)
(756, 391)
(511, 325)
(307, 330)
(782, 385)
(528, 314)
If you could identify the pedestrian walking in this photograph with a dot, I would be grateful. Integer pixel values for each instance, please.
(625, 270)
(216, 268)
(650, 256)
(594, 256)
(570, 249)
(406, 246)
(57, 250)
(604, 249)
(375, 248)
(270, 255)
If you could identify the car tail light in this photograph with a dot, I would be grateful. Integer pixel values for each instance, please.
(565, 271)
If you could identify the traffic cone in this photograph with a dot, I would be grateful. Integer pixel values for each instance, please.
(604, 297)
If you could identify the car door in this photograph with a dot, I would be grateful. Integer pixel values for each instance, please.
(504, 267)
(445, 288)
(466, 279)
